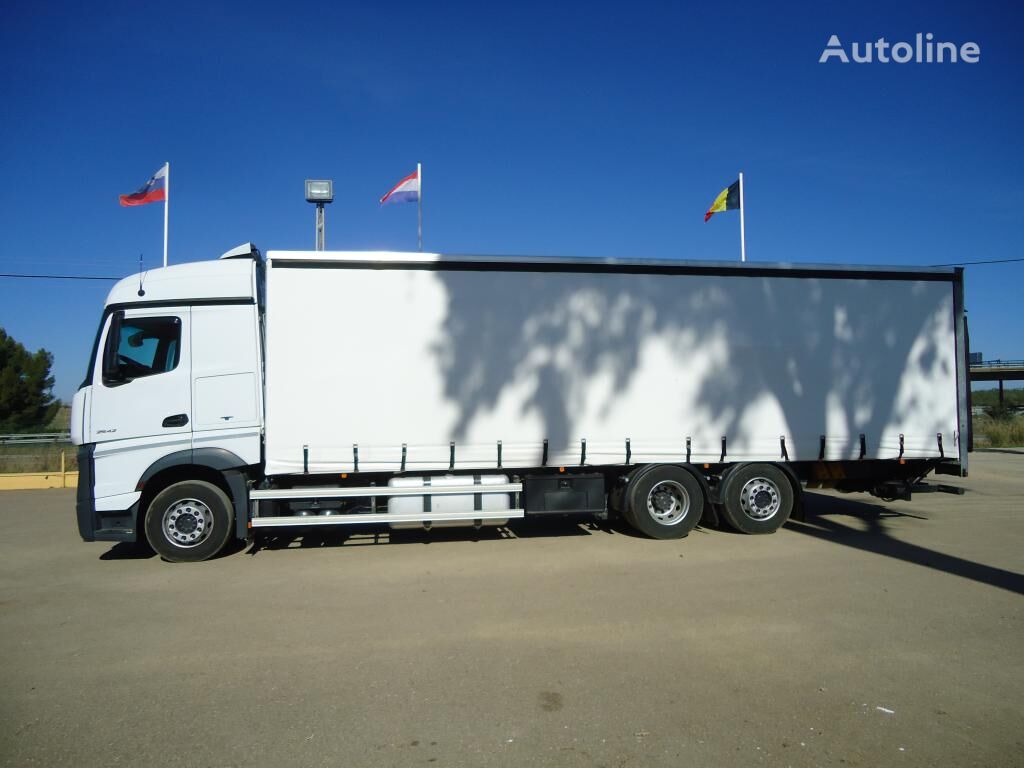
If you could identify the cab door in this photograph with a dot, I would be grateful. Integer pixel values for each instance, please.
(141, 404)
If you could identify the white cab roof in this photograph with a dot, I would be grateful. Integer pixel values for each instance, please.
(228, 279)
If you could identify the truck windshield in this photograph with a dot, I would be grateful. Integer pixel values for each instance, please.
(92, 358)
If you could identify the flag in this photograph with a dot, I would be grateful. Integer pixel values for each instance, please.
(728, 200)
(405, 191)
(153, 191)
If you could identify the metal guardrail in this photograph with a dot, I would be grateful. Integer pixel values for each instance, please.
(38, 437)
(996, 364)
(982, 410)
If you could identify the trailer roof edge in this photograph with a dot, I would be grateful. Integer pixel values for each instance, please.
(436, 261)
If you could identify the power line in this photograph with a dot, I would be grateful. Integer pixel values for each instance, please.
(60, 277)
(986, 261)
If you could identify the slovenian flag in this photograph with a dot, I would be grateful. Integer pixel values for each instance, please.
(405, 191)
(153, 191)
(728, 200)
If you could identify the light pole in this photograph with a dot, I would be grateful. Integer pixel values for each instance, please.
(320, 192)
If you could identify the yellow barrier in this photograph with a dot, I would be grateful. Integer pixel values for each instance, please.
(28, 481)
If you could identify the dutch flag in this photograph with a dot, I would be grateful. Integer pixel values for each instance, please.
(405, 191)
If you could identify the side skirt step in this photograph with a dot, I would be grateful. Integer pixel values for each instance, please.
(291, 494)
(384, 517)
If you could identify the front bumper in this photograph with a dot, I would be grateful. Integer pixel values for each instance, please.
(93, 525)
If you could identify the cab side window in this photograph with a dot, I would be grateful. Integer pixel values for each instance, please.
(142, 346)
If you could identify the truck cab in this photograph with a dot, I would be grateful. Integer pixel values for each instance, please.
(173, 390)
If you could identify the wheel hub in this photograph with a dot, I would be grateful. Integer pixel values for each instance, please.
(668, 502)
(187, 523)
(760, 499)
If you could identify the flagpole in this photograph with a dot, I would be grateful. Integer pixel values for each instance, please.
(419, 206)
(167, 203)
(743, 229)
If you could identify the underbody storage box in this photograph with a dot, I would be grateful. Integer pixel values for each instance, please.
(564, 494)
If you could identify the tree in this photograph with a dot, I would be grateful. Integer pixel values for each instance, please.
(26, 387)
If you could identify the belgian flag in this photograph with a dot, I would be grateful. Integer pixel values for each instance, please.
(728, 200)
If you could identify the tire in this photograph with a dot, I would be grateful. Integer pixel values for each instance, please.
(189, 521)
(758, 498)
(664, 502)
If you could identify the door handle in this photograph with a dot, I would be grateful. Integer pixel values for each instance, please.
(178, 420)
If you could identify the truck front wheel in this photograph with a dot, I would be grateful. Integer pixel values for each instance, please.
(189, 521)
(757, 498)
(664, 502)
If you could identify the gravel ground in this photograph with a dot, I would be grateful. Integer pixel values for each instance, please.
(874, 634)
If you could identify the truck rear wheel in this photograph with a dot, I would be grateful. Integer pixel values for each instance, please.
(664, 502)
(189, 521)
(758, 498)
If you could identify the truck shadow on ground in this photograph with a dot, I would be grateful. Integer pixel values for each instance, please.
(129, 551)
(867, 532)
(365, 535)
(306, 538)
(142, 551)
(872, 535)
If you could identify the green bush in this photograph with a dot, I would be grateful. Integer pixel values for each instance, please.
(999, 433)
(990, 397)
(1000, 413)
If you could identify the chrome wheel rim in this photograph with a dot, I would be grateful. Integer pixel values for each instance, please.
(187, 523)
(760, 499)
(668, 502)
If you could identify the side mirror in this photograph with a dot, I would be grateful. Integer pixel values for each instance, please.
(112, 373)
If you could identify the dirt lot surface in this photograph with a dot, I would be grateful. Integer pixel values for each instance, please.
(874, 634)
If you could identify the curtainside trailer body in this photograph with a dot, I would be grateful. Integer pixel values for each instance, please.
(348, 388)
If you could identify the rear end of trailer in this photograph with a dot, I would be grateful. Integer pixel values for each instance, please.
(422, 390)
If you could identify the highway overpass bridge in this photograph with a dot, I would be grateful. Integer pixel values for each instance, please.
(998, 370)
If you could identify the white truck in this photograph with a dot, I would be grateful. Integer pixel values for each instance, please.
(410, 389)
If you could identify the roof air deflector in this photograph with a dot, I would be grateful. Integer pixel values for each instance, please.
(243, 251)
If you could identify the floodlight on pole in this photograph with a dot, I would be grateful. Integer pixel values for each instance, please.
(319, 192)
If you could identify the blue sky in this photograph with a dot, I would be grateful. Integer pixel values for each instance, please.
(584, 129)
